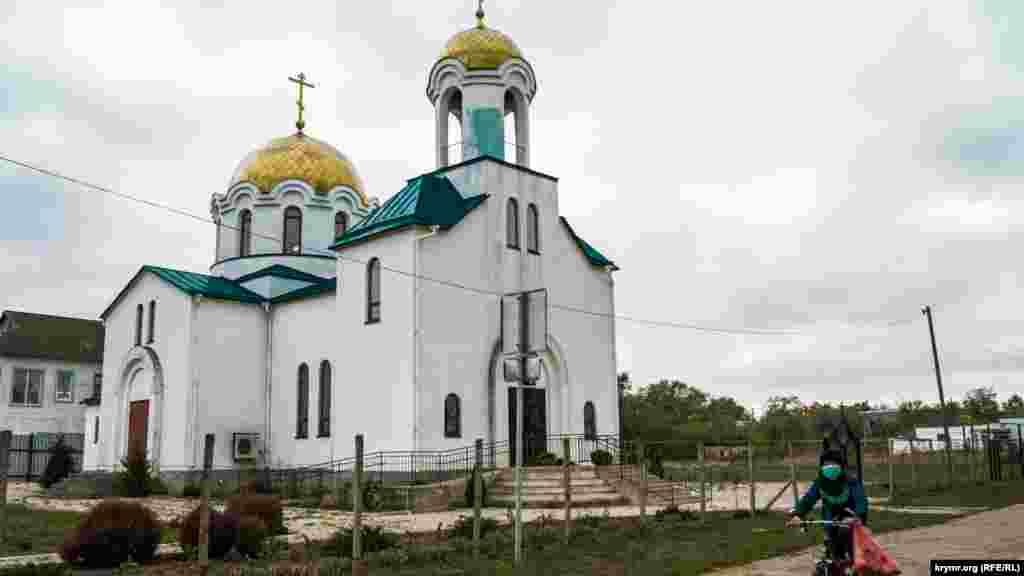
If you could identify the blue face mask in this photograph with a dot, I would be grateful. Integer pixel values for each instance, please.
(831, 471)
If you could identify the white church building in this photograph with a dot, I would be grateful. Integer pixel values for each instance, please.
(326, 314)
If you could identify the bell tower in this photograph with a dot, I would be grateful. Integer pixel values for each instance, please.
(483, 83)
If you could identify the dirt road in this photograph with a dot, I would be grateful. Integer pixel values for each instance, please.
(998, 534)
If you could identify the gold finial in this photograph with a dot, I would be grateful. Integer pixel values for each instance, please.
(480, 14)
(301, 81)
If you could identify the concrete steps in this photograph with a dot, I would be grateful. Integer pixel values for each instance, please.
(542, 488)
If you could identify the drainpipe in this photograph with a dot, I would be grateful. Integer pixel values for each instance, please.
(416, 333)
(615, 355)
(268, 397)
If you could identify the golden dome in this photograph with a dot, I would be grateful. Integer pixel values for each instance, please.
(481, 48)
(299, 157)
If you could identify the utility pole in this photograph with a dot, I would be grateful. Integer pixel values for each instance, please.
(942, 398)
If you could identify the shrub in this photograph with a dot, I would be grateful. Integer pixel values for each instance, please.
(136, 480)
(60, 465)
(601, 457)
(50, 569)
(191, 490)
(266, 507)
(674, 512)
(463, 527)
(546, 459)
(113, 532)
(469, 495)
(252, 531)
(223, 532)
(374, 539)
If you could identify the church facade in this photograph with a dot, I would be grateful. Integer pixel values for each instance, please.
(328, 314)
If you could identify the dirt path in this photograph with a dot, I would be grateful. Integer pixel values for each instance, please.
(998, 534)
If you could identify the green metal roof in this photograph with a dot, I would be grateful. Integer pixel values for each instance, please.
(428, 200)
(209, 286)
(595, 257)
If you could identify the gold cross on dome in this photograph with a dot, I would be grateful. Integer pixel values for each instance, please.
(480, 14)
(301, 81)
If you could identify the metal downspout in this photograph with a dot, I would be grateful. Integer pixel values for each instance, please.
(268, 398)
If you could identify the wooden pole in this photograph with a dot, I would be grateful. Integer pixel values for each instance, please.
(567, 484)
(643, 480)
(750, 474)
(359, 565)
(703, 480)
(793, 483)
(913, 466)
(478, 496)
(204, 505)
(892, 470)
(5, 453)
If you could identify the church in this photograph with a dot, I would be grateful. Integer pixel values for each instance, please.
(327, 314)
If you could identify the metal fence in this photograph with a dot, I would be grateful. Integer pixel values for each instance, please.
(30, 453)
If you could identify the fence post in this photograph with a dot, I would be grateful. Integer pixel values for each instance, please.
(5, 453)
(478, 497)
(359, 567)
(892, 470)
(31, 449)
(913, 466)
(204, 504)
(643, 480)
(750, 472)
(702, 471)
(567, 482)
(793, 483)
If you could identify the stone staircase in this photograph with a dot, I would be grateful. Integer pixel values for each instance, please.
(543, 488)
(660, 492)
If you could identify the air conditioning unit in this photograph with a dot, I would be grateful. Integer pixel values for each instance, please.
(246, 446)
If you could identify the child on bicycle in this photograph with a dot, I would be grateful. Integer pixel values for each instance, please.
(840, 495)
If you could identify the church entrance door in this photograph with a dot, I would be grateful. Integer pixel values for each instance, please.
(138, 427)
(535, 423)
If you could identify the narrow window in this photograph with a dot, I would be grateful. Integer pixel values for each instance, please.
(152, 321)
(302, 419)
(245, 233)
(589, 422)
(512, 224)
(138, 325)
(340, 224)
(532, 229)
(64, 391)
(452, 417)
(373, 291)
(292, 230)
(96, 430)
(26, 390)
(324, 428)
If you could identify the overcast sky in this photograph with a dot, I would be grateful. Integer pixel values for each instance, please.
(819, 167)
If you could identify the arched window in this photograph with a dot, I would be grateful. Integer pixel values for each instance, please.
(302, 393)
(373, 291)
(512, 224)
(340, 224)
(452, 417)
(324, 429)
(245, 233)
(532, 229)
(138, 325)
(292, 230)
(152, 322)
(589, 422)
(96, 430)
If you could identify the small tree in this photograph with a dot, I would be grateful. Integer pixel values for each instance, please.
(60, 465)
(136, 480)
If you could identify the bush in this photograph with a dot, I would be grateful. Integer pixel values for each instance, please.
(251, 533)
(191, 490)
(136, 480)
(60, 465)
(374, 539)
(469, 492)
(463, 527)
(601, 457)
(675, 513)
(112, 533)
(222, 535)
(50, 569)
(266, 507)
(545, 459)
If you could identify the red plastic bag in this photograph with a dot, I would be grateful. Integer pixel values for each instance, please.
(868, 555)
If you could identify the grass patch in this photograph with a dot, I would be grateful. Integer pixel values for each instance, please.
(988, 494)
(35, 531)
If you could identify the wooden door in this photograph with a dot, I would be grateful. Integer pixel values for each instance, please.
(138, 427)
(534, 425)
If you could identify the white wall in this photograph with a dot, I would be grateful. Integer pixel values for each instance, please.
(169, 346)
(90, 443)
(50, 416)
(380, 373)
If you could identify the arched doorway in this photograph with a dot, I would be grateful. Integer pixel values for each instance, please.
(140, 406)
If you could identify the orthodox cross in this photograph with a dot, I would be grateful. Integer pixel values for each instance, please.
(480, 14)
(301, 81)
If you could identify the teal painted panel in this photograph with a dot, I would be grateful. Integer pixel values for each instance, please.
(489, 131)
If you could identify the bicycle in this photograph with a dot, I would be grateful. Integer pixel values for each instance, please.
(827, 564)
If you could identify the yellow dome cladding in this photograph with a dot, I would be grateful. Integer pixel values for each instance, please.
(481, 48)
(299, 157)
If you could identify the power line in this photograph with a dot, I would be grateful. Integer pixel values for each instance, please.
(452, 284)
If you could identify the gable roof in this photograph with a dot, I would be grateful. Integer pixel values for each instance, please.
(428, 200)
(42, 336)
(595, 257)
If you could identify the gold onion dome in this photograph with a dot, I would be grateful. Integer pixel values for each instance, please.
(481, 48)
(299, 157)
